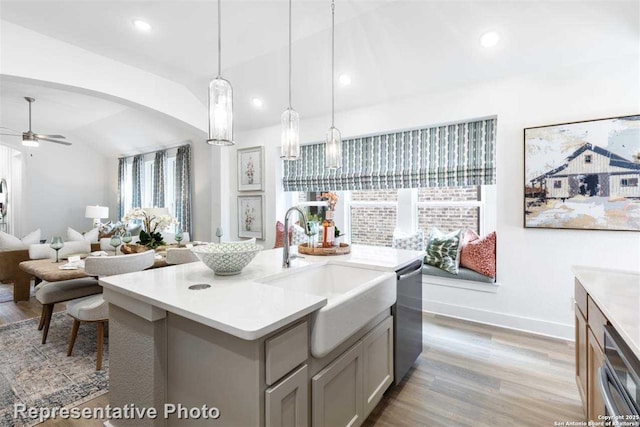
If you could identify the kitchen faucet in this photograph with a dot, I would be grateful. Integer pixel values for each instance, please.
(286, 258)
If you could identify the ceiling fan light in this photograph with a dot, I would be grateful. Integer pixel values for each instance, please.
(30, 142)
(220, 112)
(290, 136)
(333, 153)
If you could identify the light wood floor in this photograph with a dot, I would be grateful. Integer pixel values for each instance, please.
(468, 375)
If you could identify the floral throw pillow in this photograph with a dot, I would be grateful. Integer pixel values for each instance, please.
(443, 250)
(479, 254)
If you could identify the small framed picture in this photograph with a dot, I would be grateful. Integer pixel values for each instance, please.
(250, 217)
(251, 169)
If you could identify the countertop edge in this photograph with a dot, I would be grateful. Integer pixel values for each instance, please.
(579, 270)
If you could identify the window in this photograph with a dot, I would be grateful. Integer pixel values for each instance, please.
(557, 183)
(147, 184)
(370, 217)
(587, 158)
(629, 182)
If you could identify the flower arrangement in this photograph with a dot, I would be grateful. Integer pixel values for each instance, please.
(249, 218)
(153, 226)
(331, 198)
(250, 171)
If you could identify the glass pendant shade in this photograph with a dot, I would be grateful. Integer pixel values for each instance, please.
(333, 149)
(290, 137)
(220, 112)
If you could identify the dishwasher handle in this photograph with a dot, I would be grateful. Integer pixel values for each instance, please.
(408, 275)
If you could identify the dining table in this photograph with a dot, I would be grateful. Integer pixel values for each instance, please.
(50, 271)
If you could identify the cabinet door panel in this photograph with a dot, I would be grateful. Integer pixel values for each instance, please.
(337, 391)
(287, 403)
(595, 359)
(377, 349)
(581, 356)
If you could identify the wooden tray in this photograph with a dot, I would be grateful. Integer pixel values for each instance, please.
(342, 249)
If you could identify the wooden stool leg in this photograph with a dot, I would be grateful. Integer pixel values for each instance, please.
(74, 334)
(47, 320)
(100, 338)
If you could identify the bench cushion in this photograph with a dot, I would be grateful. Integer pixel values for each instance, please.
(55, 292)
(463, 274)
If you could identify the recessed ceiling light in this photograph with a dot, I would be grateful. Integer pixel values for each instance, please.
(142, 25)
(344, 79)
(489, 39)
(257, 102)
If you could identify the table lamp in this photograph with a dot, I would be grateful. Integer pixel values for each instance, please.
(96, 213)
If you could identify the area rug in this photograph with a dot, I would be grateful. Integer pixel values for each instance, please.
(42, 375)
(6, 292)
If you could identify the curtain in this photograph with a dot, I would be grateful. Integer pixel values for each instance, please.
(158, 179)
(122, 168)
(136, 179)
(183, 188)
(459, 154)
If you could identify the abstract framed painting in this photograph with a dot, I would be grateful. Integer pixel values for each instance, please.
(583, 175)
(251, 169)
(250, 217)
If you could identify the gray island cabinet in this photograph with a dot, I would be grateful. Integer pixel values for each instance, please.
(246, 347)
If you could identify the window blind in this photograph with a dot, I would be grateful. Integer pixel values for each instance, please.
(457, 154)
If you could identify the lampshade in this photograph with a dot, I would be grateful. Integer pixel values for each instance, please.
(96, 212)
(220, 112)
(156, 212)
(333, 149)
(290, 137)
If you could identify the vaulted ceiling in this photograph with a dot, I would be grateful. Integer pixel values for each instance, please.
(390, 48)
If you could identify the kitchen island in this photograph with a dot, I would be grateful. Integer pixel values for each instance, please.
(265, 347)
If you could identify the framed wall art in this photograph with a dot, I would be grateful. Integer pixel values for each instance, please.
(251, 169)
(250, 217)
(583, 175)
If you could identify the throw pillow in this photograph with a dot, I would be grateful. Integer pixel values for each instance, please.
(413, 241)
(443, 250)
(298, 236)
(479, 255)
(89, 236)
(10, 243)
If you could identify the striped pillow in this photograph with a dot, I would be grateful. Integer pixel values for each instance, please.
(443, 250)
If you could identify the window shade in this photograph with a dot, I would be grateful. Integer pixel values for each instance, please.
(458, 154)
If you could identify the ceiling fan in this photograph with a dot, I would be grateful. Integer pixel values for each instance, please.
(31, 139)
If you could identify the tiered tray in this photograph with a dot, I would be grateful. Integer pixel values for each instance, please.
(341, 249)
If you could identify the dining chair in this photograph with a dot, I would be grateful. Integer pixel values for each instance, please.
(95, 309)
(180, 256)
(51, 293)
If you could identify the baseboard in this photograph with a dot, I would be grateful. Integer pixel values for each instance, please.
(503, 320)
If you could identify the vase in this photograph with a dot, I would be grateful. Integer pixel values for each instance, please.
(247, 227)
(250, 179)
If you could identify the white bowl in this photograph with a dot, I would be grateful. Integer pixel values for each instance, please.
(226, 259)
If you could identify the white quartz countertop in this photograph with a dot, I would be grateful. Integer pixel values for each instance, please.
(617, 294)
(240, 305)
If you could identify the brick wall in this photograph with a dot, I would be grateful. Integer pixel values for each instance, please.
(448, 218)
(372, 226)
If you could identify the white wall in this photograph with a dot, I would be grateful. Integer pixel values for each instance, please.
(59, 183)
(534, 265)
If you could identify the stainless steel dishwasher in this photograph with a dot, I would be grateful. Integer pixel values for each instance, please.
(407, 320)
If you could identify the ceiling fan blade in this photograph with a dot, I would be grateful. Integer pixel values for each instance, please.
(54, 140)
(13, 130)
(11, 134)
(49, 136)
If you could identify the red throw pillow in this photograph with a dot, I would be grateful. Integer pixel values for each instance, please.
(479, 254)
(279, 235)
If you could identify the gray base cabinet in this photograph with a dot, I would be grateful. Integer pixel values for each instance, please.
(346, 391)
(287, 403)
(337, 391)
(377, 349)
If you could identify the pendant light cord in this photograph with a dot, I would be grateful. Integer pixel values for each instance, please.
(290, 54)
(219, 40)
(333, 55)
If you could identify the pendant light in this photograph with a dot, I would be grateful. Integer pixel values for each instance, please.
(333, 147)
(220, 103)
(290, 137)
